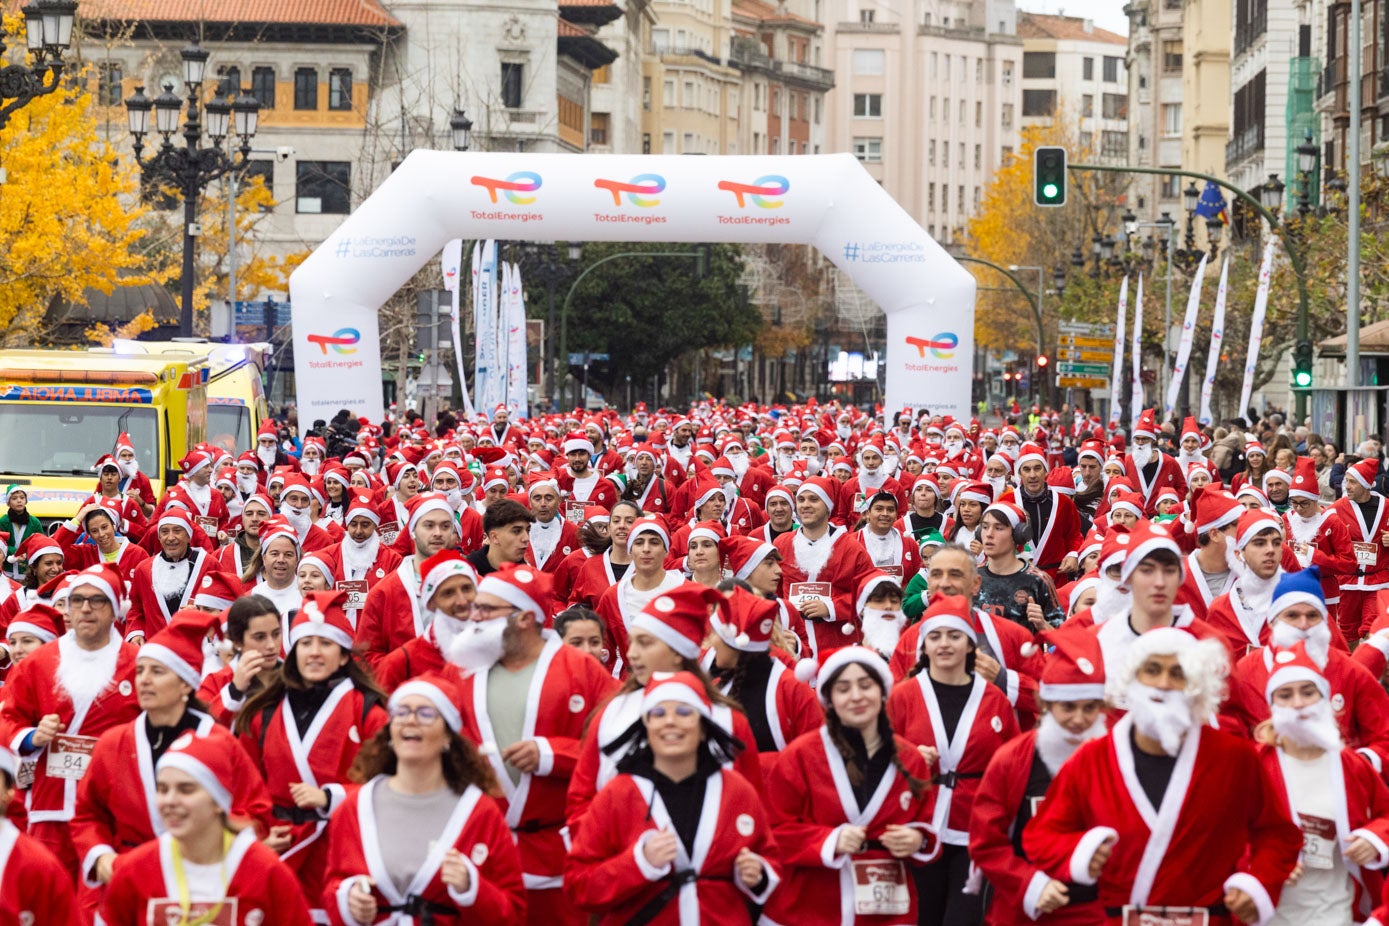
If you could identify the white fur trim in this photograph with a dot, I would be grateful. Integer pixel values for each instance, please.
(468, 897)
(1379, 845)
(648, 871)
(1085, 851)
(1033, 894)
(1244, 881)
(435, 695)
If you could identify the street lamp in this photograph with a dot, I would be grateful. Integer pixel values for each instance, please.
(1214, 226)
(1271, 193)
(462, 128)
(47, 36)
(192, 167)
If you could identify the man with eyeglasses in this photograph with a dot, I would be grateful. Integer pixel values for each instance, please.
(62, 697)
(525, 698)
(1318, 537)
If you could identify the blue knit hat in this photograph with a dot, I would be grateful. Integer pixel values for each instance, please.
(1303, 587)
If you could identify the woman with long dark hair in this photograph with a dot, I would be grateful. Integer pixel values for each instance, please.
(254, 633)
(677, 831)
(424, 836)
(304, 728)
(593, 541)
(850, 806)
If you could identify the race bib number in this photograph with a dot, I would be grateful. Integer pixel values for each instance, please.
(1366, 554)
(880, 888)
(24, 775)
(69, 756)
(1165, 916)
(803, 593)
(1318, 842)
(356, 593)
(209, 525)
(574, 511)
(165, 911)
(389, 532)
(891, 569)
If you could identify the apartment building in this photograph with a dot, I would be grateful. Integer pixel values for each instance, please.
(1154, 65)
(1076, 71)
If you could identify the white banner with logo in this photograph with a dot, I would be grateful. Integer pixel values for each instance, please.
(1193, 309)
(829, 201)
(485, 368)
(1116, 374)
(1216, 345)
(1136, 401)
(1256, 326)
(452, 265)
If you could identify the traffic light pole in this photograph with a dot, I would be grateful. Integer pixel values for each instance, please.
(1036, 307)
(1295, 256)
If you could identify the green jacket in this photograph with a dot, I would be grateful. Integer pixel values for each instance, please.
(32, 526)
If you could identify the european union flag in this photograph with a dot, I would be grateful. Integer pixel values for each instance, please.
(1212, 202)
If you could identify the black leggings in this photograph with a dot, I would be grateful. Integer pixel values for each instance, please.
(940, 900)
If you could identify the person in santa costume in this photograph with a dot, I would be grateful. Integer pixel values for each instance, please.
(166, 582)
(1016, 783)
(1054, 525)
(666, 636)
(62, 697)
(1318, 537)
(133, 483)
(926, 514)
(105, 540)
(1242, 613)
(268, 453)
(1211, 569)
(525, 698)
(43, 560)
(593, 541)
(127, 509)
(871, 477)
(236, 552)
(273, 571)
(208, 508)
(296, 504)
(423, 839)
(255, 633)
(360, 560)
(392, 615)
(448, 585)
(850, 806)
(892, 551)
(1365, 514)
(1341, 805)
(1165, 810)
(648, 543)
(116, 797)
(645, 484)
(304, 729)
(676, 837)
(970, 501)
(34, 887)
(781, 514)
(945, 706)
(205, 867)
(604, 570)
(552, 538)
(578, 481)
(1151, 468)
(1012, 588)
(820, 568)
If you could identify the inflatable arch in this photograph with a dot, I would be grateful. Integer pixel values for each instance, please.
(825, 200)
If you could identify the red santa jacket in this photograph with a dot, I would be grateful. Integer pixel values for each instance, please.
(1169, 474)
(136, 523)
(393, 615)
(606, 873)
(564, 689)
(836, 583)
(34, 886)
(81, 555)
(782, 711)
(808, 799)
(904, 558)
(852, 495)
(655, 498)
(986, 723)
(141, 483)
(116, 809)
(1171, 855)
(593, 577)
(617, 610)
(418, 657)
(33, 691)
(263, 887)
(1365, 537)
(603, 493)
(382, 565)
(567, 572)
(148, 613)
(1332, 551)
(1019, 676)
(567, 543)
(1195, 593)
(1060, 536)
(475, 828)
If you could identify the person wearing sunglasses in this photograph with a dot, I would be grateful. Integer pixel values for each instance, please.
(678, 834)
(424, 837)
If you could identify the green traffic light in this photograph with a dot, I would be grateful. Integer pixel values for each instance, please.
(1302, 379)
(1049, 190)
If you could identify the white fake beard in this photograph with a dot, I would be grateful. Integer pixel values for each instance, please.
(891, 465)
(445, 628)
(1110, 600)
(246, 482)
(1304, 530)
(953, 447)
(266, 455)
(169, 579)
(358, 557)
(1161, 715)
(811, 557)
(83, 673)
(455, 499)
(1056, 744)
(478, 646)
(1310, 727)
(870, 480)
(1194, 457)
(997, 483)
(1010, 451)
(298, 519)
(310, 467)
(1142, 456)
(843, 430)
(882, 629)
(730, 495)
(201, 495)
(740, 463)
(128, 468)
(1317, 638)
(812, 465)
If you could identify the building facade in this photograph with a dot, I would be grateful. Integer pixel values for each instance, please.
(1075, 71)
(1154, 63)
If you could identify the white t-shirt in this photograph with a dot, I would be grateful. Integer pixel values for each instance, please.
(1323, 896)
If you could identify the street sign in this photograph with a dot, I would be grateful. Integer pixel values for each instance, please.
(1082, 369)
(1074, 355)
(1074, 340)
(1082, 382)
(1092, 329)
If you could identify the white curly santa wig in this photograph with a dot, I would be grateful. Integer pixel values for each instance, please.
(1205, 663)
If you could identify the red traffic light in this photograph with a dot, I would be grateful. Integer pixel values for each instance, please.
(1007, 377)
(1042, 360)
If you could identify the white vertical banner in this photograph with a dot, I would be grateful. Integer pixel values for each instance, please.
(1256, 326)
(516, 356)
(485, 324)
(452, 266)
(477, 322)
(1115, 412)
(1193, 310)
(1136, 402)
(1216, 344)
(496, 383)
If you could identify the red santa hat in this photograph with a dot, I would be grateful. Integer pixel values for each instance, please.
(261, 500)
(438, 690)
(950, 612)
(40, 620)
(1093, 449)
(218, 590)
(680, 687)
(105, 578)
(869, 583)
(1254, 492)
(822, 487)
(1128, 501)
(1166, 493)
(422, 504)
(708, 530)
(440, 567)
(35, 546)
(1191, 429)
(1145, 539)
(1092, 543)
(679, 618)
(780, 491)
(1215, 509)
(275, 528)
(1031, 453)
(176, 517)
(831, 661)
(323, 561)
(322, 615)
(207, 760)
(1304, 482)
(596, 513)
(1253, 446)
(577, 441)
(651, 524)
(194, 460)
(746, 622)
(123, 442)
(980, 492)
(397, 470)
(1062, 480)
(537, 481)
(362, 505)
(1147, 424)
(523, 587)
(1277, 474)
(179, 646)
(1253, 523)
(1295, 664)
(105, 461)
(1010, 512)
(1364, 472)
(1074, 669)
(744, 554)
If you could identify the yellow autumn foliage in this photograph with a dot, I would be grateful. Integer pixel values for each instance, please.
(103, 335)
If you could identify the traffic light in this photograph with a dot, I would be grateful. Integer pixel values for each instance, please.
(1049, 176)
(1042, 361)
(1302, 365)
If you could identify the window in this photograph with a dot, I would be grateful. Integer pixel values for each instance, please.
(1007, 73)
(817, 110)
(935, 65)
(869, 150)
(646, 94)
(1038, 64)
(1111, 69)
(668, 93)
(1007, 115)
(776, 101)
(869, 62)
(978, 70)
(931, 197)
(978, 156)
(229, 79)
(689, 101)
(931, 153)
(978, 115)
(1171, 188)
(688, 141)
(340, 89)
(868, 105)
(1114, 144)
(1115, 106)
(1038, 102)
(109, 84)
(1006, 153)
(598, 129)
(945, 154)
(1172, 55)
(977, 195)
(660, 40)
(512, 82)
(1087, 69)
(960, 198)
(1172, 119)
(962, 112)
(263, 86)
(306, 88)
(1087, 104)
(265, 170)
(866, 17)
(668, 143)
(962, 154)
(933, 109)
(323, 187)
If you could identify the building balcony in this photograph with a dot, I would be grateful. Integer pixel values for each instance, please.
(750, 56)
(819, 78)
(880, 28)
(1245, 145)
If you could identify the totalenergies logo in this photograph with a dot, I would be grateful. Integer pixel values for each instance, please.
(641, 190)
(765, 192)
(523, 181)
(942, 346)
(341, 341)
